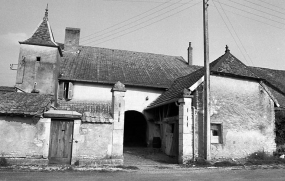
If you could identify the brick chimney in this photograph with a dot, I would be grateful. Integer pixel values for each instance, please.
(190, 61)
(71, 41)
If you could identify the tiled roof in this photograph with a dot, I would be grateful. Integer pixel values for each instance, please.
(97, 117)
(229, 64)
(85, 106)
(176, 89)
(226, 64)
(5, 89)
(42, 36)
(92, 64)
(274, 77)
(24, 103)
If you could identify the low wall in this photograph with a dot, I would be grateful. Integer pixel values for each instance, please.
(92, 144)
(24, 140)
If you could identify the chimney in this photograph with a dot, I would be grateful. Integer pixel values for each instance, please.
(71, 41)
(190, 61)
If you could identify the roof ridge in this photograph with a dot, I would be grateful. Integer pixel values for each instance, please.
(131, 51)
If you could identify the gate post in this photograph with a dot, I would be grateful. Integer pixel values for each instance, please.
(186, 132)
(118, 113)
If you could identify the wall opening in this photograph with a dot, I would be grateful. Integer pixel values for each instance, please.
(135, 129)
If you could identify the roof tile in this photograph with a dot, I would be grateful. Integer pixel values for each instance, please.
(24, 103)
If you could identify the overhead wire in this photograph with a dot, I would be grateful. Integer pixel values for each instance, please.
(265, 7)
(148, 24)
(133, 18)
(256, 20)
(136, 21)
(251, 13)
(237, 35)
(229, 30)
(271, 4)
(127, 28)
(257, 10)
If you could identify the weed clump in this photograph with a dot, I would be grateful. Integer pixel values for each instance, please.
(263, 158)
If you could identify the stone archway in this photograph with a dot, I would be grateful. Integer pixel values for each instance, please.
(135, 129)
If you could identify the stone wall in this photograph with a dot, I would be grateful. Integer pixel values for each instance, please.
(24, 140)
(246, 114)
(92, 143)
(45, 71)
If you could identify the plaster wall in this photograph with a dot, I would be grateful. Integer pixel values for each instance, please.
(136, 99)
(24, 137)
(44, 72)
(92, 142)
(246, 113)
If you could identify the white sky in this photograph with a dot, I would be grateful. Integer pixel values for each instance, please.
(254, 30)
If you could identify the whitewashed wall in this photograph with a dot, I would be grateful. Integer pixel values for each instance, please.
(135, 98)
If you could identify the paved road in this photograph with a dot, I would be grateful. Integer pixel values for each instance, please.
(156, 174)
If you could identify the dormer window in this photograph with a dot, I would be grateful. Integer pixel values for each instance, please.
(65, 90)
(38, 59)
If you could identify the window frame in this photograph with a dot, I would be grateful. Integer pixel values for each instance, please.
(219, 129)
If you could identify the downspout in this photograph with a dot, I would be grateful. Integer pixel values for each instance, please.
(193, 127)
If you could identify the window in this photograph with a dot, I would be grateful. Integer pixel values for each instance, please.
(38, 59)
(216, 133)
(65, 90)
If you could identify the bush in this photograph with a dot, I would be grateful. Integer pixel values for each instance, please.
(3, 162)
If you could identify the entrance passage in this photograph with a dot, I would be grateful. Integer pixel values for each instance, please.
(135, 129)
(60, 145)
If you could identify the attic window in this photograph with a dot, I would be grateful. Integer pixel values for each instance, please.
(38, 59)
(216, 133)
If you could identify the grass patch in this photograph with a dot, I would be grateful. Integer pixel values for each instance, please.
(226, 164)
(127, 167)
(200, 162)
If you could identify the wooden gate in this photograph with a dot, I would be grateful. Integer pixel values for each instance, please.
(61, 135)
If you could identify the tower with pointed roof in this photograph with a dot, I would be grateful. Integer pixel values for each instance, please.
(39, 61)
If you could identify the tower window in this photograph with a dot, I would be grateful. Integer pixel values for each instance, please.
(38, 59)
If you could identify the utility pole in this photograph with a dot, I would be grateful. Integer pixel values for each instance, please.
(207, 128)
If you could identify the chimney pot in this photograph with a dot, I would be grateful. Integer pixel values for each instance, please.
(71, 41)
(190, 49)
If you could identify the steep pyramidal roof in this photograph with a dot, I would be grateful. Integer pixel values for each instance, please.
(229, 64)
(43, 34)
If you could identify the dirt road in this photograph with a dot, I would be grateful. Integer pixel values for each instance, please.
(159, 173)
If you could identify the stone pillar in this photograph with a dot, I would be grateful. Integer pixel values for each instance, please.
(77, 139)
(46, 135)
(118, 113)
(186, 132)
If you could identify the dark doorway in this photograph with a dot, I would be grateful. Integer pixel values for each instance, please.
(135, 129)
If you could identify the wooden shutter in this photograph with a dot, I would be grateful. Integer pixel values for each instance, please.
(70, 90)
(20, 72)
(61, 90)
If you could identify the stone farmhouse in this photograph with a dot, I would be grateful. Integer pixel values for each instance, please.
(76, 104)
